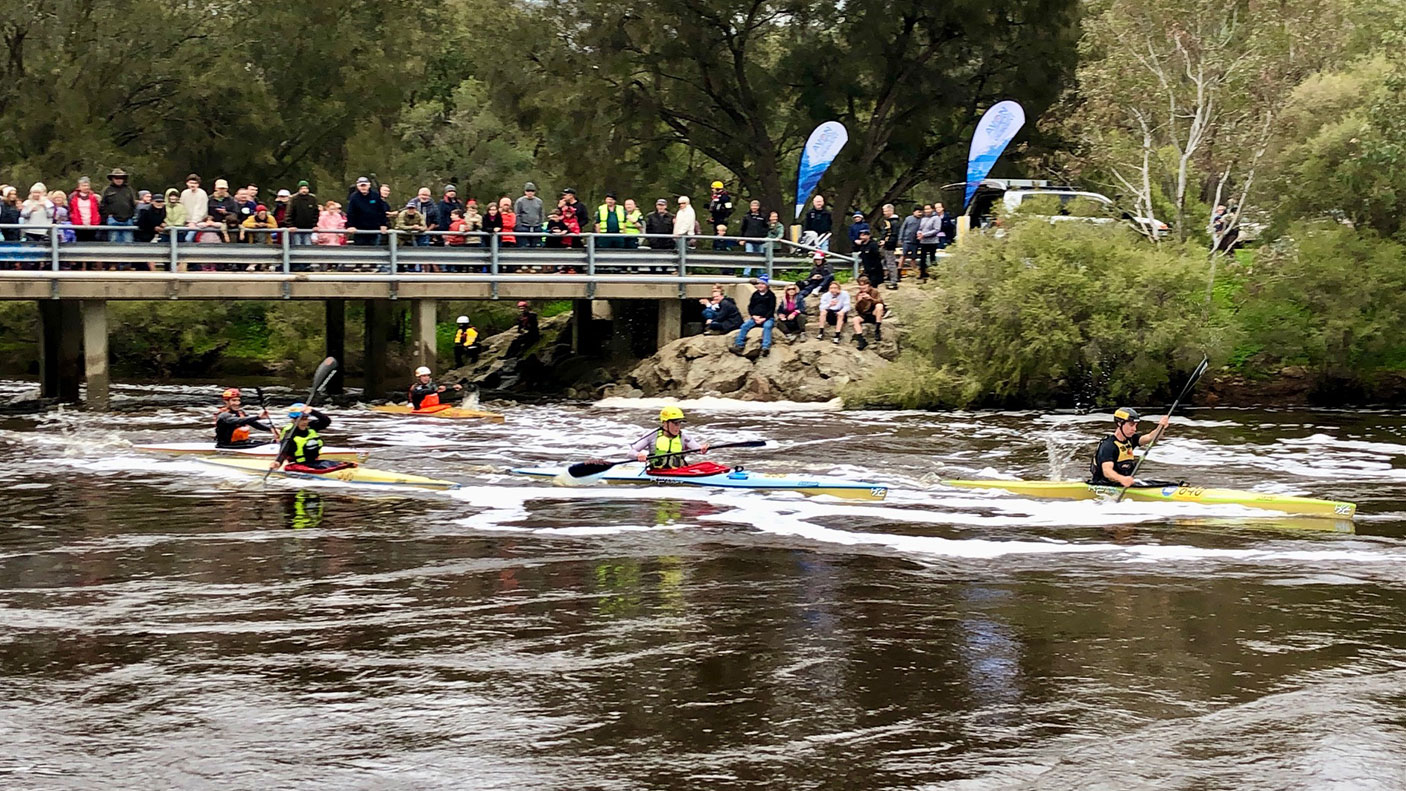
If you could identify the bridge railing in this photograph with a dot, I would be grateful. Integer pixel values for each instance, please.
(395, 253)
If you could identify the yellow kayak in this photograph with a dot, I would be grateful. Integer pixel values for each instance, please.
(442, 411)
(267, 451)
(1079, 490)
(361, 476)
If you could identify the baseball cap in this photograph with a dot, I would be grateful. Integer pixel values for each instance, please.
(522, 304)
(450, 188)
(193, 177)
(763, 279)
(284, 193)
(221, 184)
(662, 202)
(529, 187)
(303, 183)
(363, 180)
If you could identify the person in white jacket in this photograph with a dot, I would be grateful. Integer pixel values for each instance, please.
(834, 305)
(685, 221)
(38, 211)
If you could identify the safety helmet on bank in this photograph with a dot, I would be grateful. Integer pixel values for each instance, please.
(422, 371)
(231, 392)
(462, 320)
(670, 413)
(1122, 414)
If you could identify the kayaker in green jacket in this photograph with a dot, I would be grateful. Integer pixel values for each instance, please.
(665, 447)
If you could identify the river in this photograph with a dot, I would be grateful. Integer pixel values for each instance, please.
(167, 625)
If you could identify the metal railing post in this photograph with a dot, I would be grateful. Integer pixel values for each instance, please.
(54, 247)
(493, 262)
(682, 266)
(393, 249)
(591, 254)
(174, 265)
(770, 258)
(284, 236)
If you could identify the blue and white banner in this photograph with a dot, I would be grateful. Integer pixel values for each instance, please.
(821, 149)
(995, 131)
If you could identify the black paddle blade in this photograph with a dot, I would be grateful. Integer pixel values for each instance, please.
(323, 373)
(586, 469)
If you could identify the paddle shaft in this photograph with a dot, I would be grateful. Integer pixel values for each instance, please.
(1190, 383)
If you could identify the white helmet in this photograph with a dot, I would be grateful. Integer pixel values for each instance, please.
(462, 320)
(422, 371)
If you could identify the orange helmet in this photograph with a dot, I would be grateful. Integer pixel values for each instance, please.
(232, 392)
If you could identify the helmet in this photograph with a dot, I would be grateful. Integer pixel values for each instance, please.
(670, 413)
(297, 410)
(1125, 413)
(522, 304)
(717, 185)
(232, 392)
(462, 320)
(422, 371)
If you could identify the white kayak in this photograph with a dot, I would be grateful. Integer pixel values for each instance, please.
(266, 451)
(730, 479)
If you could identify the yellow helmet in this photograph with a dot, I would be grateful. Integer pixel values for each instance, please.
(717, 185)
(1126, 413)
(670, 413)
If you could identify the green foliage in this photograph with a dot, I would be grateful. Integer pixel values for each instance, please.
(19, 337)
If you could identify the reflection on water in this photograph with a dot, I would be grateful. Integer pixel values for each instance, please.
(169, 627)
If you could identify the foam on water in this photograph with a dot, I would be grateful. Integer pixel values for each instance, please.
(715, 404)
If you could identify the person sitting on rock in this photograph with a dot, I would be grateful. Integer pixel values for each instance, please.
(761, 311)
(869, 308)
(466, 345)
(725, 318)
(791, 314)
(819, 278)
(834, 306)
(527, 332)
(665, 447)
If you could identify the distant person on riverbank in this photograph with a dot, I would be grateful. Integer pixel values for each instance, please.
(816, 227)
(719, 205)
(530, 216)
(908, 239)
(303, 214)
(232, 422)
(820, 277)
(791, 314)
(931, 238)
(761, 311)
(466, 345)
(366, 214)
(720, 314)
(857, 224)
(754, 226)
(869, 308)
(528, 332)
(664, 448)
(834, 307)
(889, 226)
(1114, 459)
(871, 258)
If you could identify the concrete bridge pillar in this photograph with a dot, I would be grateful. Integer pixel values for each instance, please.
(95, 352)
(423, 332)
(336, 312)
(378, 321)
(60, 349)
(670, 320)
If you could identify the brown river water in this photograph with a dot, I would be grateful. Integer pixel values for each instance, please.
(169, 625)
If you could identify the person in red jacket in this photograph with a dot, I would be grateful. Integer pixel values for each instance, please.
(84, 211)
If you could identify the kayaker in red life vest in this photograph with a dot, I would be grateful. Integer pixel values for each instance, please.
(1114, 460)
(302, 444)
(232, 423)
(425, 393)
(664, 448)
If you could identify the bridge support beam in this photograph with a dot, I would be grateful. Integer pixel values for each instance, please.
(423, 332)
(95, 352)
(60, 349)
(336, 312)
(670, 322)
(378, 321)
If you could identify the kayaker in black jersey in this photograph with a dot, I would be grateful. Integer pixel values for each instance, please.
(1114, 460)
(665, 447)
(301, 443)
(232, 423)
(425, 393)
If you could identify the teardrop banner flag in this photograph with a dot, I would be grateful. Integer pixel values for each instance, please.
(994, 132)
(821, 149)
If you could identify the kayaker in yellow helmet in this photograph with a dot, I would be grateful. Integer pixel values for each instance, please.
(664, 448)
(1114, 460)
(425, 393)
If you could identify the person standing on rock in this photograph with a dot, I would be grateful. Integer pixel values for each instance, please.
(761, 311)
(466, 345)
(527, 331)
(665, 447)
(871, 258)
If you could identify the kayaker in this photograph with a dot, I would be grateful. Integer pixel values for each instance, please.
(301, 443)
(1114, 460)
(665, 447)
(232, 423)
(425, 393)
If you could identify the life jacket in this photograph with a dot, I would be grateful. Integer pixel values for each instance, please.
(305, 447)
(603, 215)
(668, 451)
(430, 400)
(1124, 465)
(466, 337)
(241, 433)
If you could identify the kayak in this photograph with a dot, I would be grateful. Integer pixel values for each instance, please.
(267, 451)
(731, 479)
(361, 476)
(441, 411)
(1177, 493)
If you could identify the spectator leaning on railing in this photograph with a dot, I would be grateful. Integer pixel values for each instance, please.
(528, 208)
(118, 205)
(37, 210)
(303, 214)
(366, 213)
(83, 210)
(754, 226)
(444, 212)
(657, 222)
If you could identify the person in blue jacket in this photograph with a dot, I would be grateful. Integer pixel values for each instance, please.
(366, 212)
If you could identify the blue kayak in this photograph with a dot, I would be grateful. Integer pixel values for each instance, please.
(732, 479)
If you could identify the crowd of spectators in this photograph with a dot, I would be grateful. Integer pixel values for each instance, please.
(370, 213)
(768, 310)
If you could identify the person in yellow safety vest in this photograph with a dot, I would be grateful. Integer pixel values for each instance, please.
(466, 345)
(301, 443)
(610, 218)
(665, 447)
(634, 223)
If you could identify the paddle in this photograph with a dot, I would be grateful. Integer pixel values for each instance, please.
(1190, 383)
(320, 378)
(263, 408)
(586, 469)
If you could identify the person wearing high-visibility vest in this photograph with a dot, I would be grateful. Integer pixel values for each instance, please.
(466, 345)
(610, 218)
(665, 447)
(634, 223)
